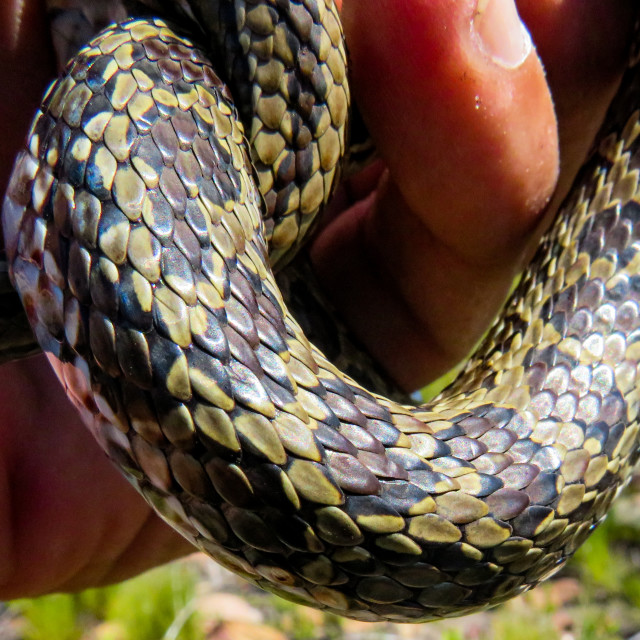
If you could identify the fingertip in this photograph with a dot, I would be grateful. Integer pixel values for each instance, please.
(501, 33)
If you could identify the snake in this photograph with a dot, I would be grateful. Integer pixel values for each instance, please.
(142, 225)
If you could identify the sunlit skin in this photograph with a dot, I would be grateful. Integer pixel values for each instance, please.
(433, 237)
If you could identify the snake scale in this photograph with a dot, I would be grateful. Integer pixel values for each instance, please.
(139, 243)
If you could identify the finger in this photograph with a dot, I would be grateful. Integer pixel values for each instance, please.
(584, 50)
(26, 68)
(466, 127)
(423, 71)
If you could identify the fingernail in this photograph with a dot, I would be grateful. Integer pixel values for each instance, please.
(502, 34)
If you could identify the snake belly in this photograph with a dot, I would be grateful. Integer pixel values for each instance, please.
(135, 237)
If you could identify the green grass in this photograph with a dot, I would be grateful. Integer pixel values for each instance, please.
(158, 605)
(162, 604)
(604, 560)
(55, 616)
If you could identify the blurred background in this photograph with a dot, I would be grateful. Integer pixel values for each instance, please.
(595, 597)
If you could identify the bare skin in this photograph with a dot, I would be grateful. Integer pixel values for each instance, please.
(442, 228)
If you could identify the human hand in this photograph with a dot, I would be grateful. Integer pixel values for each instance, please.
(68, 519)
(471, 149)
(465, 191)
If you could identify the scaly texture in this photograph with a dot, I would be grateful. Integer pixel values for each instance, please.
(285, 63)
(134, 233)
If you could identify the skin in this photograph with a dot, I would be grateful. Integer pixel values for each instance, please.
(437, 229)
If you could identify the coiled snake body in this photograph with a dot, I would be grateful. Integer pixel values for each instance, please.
(138, 245)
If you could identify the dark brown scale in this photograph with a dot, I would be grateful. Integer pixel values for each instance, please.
(241, 320)
(337, 386)
(337, 528)
(281, 397)
(518, 476)
(158, 216)
(119, 90)
(486, 485)
(191, 72)
(164, 355)
(75, 104)
(211, 368)
(98, 73)
(407, 459)
(360, 438)
(298, 535)
(346, 411)
(55, 137)
(190, 475)
(445, 594)
(351, 475)
(433, 482)
(173, 191)
(452, 431)
(317, 569)
(381, 466)
(185, 128)
(155, 49)
(270, 336)
(188, 171)
(252, 530)
(166, 140)
(174, 420)
(242, 351)
(95, 177)
(194, 217)
(102, 335)
(85, 220)
(76, 160)
(543, 489)
(271, 486)
(133, 357)
(177, 273)
(144, 122)
(247, 389)
(170, 70)
(202, 149)
(132, 307)
(270, 311)
(188, 244)
(274, 367)
(494, 463)
(497, 440)
(466, 448)
(402, 497)
(333, 440)
(532, 520)
(212, 339)
(151, 154)
(103, 286)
